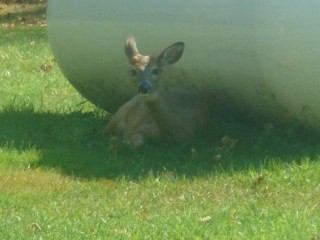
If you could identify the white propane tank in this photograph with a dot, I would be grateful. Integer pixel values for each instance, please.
(257, 54)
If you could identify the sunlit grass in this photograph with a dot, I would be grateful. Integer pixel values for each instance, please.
(29, 74)
(225, 205)
(61, 179)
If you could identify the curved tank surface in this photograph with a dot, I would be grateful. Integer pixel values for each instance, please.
(257, 54)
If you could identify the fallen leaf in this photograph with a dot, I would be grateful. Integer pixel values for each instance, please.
(46, 67)
(205, 219)
(11, 26)
(217, 158)
(109, 182)
(257, 181)
(268, 129)
(228, 142)
(144, 216)
(192, 153)
(35, 227)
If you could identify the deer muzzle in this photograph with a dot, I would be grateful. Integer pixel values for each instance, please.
(144, 88)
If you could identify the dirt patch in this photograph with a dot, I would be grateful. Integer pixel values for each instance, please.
(23, 13)
(22, 1)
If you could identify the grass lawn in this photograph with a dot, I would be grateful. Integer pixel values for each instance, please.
(61, 179)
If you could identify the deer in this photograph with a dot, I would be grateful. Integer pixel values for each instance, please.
(157, 113)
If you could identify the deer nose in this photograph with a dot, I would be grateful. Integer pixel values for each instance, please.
(144, 88)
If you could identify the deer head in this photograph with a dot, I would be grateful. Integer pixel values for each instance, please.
(146, 69)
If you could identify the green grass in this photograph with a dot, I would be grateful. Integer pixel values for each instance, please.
(60, 178)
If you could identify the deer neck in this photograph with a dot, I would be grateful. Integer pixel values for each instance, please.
(157, 103)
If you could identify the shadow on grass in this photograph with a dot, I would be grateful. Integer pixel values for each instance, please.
(73, 144)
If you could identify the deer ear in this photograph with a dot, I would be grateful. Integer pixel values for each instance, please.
(171, 54)
(130, 47)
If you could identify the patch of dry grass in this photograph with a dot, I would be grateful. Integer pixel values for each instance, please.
(23, 14)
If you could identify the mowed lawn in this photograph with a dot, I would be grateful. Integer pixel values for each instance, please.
(61, 178)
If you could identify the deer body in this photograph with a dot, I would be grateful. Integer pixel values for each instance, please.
(157, 113)
(133, 123)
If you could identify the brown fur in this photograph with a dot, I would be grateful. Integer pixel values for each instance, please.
(163, 114)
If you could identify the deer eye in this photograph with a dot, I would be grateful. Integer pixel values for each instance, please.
(134, 73)
(155, 71)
